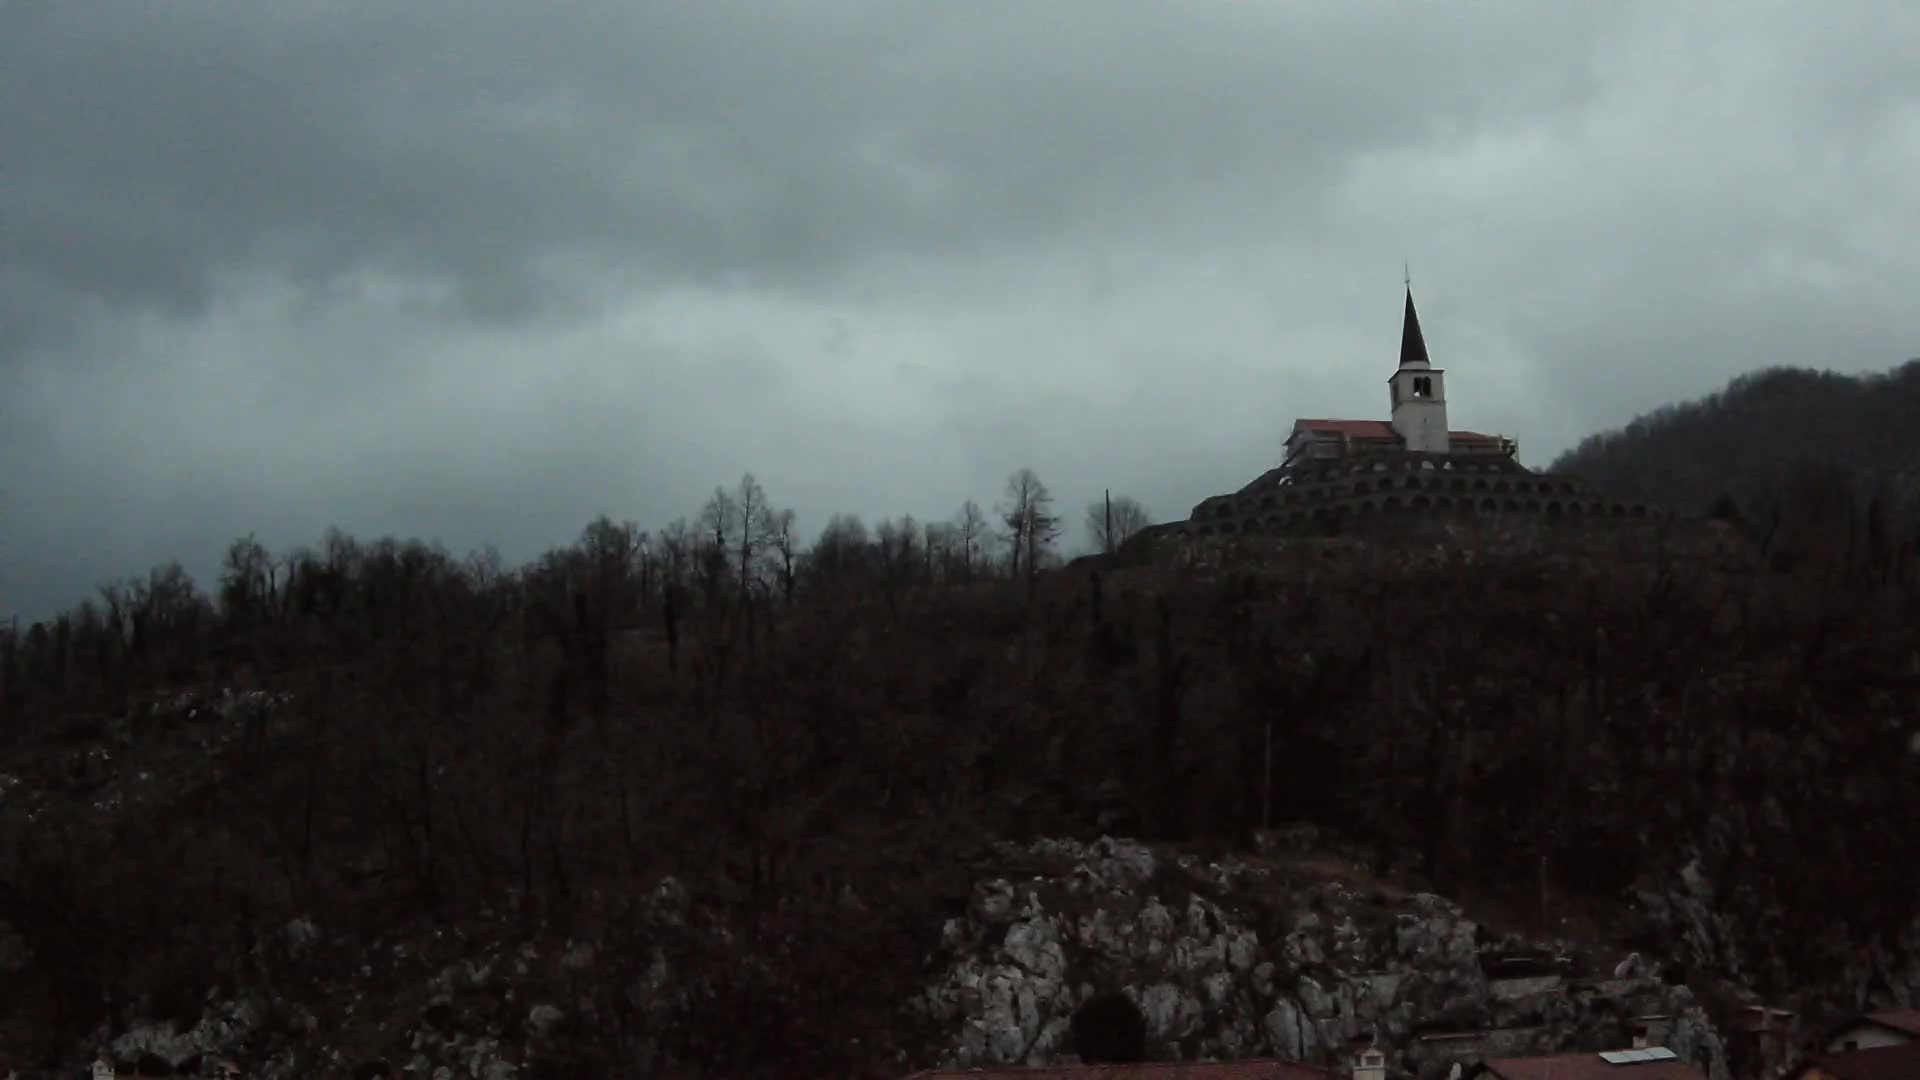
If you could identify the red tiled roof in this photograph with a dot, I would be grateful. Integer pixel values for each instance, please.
(1173, 1070)
(1359, 429)
(1905, 1020)
(1880, 1063)
(1376, 429)
(1589, 1067)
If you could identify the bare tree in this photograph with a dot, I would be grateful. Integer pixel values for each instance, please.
(718, 517)
(753, 525)
(247, 581)
(612, 554)
(843, 543)
(906, 554)
(484, 569)
(675, 551)
(1112, 523)
(169, 616)
(606, 596)
(938, 550)
(970, 529)
(718, 520)
(784, 545)
(113, 599)
(1032, 526)
(897, 543)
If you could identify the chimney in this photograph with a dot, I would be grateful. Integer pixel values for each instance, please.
(1650, 1030)
(1776, 1038)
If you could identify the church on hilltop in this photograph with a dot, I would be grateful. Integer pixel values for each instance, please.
(1419, 416)
(1339, 472)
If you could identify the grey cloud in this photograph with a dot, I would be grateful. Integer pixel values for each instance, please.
(739, 144)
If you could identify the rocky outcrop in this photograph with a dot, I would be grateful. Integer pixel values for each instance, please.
(223, 1028)
(1226, 960)
(1738, 943)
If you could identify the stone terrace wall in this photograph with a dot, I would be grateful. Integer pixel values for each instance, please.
(1320, 496)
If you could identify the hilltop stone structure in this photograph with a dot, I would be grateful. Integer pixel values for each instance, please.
(1335, 473)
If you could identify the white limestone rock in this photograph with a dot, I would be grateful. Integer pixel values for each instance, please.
(221, 1028)
(1209, 985)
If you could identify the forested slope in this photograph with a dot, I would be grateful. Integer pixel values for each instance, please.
(1765, 432)
(800, 753)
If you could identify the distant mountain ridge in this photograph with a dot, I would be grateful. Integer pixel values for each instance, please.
(1749, 439)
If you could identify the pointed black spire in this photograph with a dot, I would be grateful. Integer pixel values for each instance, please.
(1413, 345)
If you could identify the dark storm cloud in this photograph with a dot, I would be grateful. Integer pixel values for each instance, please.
(481, 270)
(734, 143)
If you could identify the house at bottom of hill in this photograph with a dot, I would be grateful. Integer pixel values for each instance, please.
(1646, 1063)
(1264, 1069)
(1888, 1027)
(1899, 1061)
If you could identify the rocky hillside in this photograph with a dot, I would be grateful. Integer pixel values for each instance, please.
(1262, 957)
(1292, 955)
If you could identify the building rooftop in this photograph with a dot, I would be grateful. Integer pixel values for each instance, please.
(1359, 429)
(1369, 429)
(1653, 1063)
(1904, 1020)
(1413, 343)
(1267, 1069)
(1880, 1063)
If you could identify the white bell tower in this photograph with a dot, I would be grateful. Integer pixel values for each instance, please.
(1419, 391)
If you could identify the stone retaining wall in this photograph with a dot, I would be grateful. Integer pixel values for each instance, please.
(1325, 495)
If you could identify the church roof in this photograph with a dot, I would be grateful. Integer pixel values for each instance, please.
(1413, 344)
(1359, 429)
(1375, 429)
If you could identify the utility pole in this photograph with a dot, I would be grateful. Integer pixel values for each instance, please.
(7, 645)
(1266, 781)
(1106, 541)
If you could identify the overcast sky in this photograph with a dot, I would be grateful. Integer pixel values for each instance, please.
(478, 270)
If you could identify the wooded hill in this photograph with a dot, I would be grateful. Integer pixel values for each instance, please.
(795, 735)
(1765, 434)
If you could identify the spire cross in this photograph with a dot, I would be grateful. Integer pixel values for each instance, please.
(1407, 274)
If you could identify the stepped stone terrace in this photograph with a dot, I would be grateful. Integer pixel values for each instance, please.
(1317, 496)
